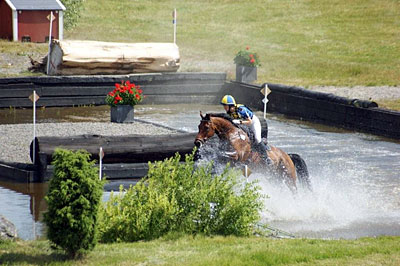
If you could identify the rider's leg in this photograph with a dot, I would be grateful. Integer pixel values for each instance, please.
(260, 146)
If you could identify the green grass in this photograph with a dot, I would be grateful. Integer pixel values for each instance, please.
(22, 49)
(389, 104)
(302, 42)
(16, 53)
(305, 42)
(186, 250)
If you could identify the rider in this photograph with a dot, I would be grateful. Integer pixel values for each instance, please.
(241, 114)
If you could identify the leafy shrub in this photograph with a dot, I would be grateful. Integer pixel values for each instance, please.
(247, 58)
(72, 12)
(178, 197)
(74, 197)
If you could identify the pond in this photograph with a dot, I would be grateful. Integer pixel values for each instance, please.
(355, 176)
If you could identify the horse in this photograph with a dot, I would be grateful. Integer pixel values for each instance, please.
(289, 167)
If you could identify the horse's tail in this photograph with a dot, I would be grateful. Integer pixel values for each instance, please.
(301, 170)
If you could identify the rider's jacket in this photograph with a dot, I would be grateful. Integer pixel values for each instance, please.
(241, 111)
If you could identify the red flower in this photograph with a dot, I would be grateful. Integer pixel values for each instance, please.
(122, 94)
(247, 47)
(251, 55)
(252, 60)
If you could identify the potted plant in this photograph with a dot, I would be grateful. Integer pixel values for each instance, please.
(122, 101)
(246, 65)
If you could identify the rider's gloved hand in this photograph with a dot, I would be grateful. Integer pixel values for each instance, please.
(236, 121)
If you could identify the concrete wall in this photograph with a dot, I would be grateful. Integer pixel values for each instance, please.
(166, 88)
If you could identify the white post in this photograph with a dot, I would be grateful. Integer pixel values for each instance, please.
(34, 127)
(60, 25)
(246, 173)
(33, 218)
(101, 154)
(15, 25)
(51, 29)
(265, 101)
(174, 22)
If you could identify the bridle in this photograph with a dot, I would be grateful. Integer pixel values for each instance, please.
(198, 142)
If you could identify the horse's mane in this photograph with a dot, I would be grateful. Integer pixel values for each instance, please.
(221, 115)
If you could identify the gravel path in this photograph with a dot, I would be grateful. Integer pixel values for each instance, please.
(15, 139)
(362, 92)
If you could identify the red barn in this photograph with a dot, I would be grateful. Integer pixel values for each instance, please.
(27, 20)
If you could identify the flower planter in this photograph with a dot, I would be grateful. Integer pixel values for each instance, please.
(246, 74)
(122, 114)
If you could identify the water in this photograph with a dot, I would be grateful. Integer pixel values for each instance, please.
(355, 177)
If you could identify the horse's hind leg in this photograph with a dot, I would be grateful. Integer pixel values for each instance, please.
(301, 170)
(289, 178)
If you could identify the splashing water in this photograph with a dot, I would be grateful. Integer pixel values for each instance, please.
(338, 207)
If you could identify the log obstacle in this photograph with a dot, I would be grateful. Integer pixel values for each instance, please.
(133, 150)
(75, 57)
(319, 107)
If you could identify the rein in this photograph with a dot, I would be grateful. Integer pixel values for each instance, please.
(224, 133)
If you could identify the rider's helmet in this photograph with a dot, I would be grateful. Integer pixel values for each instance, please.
(228, 100)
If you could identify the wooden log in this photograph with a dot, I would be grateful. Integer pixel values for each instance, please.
(116, 171)
(73, 57)
(18, 172)
(117, 149)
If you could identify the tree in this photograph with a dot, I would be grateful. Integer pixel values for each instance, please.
(73, 199)
(72, 12)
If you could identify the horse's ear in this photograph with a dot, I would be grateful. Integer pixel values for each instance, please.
(201, 115)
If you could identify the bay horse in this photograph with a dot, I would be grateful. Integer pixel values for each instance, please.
(290, 167)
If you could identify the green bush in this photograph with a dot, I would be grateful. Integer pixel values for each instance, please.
(72, 12)
(74, 197)
(178, 197)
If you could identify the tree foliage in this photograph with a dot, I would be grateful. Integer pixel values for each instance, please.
(72, 12)
(74, 197)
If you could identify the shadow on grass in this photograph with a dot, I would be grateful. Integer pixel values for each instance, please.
(39, 259)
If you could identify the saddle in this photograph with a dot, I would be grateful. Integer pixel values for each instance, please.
(249, 133)
(252, 138)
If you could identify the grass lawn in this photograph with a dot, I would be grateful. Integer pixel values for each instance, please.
(305, 42)
(390, 104)
(215, 251)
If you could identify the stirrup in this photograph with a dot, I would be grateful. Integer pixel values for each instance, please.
(265, 141)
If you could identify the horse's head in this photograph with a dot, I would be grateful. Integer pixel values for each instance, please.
(206, 130)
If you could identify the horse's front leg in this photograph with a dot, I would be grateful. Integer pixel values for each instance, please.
(233, 155)
(289, 177)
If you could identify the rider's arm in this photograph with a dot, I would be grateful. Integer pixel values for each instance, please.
(246, 120)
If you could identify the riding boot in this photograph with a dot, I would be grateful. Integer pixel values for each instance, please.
(261, 148)
(265, 141)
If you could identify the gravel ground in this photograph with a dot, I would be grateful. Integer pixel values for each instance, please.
(15, 139)
(362, 92)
